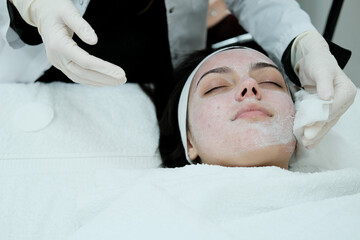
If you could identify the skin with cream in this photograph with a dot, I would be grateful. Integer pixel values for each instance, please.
(240, 112)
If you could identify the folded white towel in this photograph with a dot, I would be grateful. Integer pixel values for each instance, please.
(69, 123)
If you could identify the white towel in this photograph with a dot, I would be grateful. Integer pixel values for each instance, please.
(58, 123)
(41, 204)
(205, 202)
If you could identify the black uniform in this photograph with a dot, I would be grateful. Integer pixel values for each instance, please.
(134, 36)
(131, 34)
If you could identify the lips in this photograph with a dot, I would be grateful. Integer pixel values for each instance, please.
(252, 111)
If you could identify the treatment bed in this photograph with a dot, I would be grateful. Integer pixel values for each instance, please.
(79, 162)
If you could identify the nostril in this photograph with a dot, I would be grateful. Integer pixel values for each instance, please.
(243, 92)
(254, 90)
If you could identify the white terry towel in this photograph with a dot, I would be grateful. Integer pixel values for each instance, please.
(73, 123)
(203, 202)
(40, 204)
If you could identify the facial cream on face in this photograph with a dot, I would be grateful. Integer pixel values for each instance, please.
(216, 136)
(276, 130)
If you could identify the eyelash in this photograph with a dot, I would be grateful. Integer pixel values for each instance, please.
(212, 89)
(274, 83)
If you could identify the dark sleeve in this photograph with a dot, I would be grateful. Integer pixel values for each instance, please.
(27, 33)
(341, 55)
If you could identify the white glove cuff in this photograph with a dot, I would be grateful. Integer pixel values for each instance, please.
(301, 47)
(293, 49)
(23, 6)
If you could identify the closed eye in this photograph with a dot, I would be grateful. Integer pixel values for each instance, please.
(272, 83)
(213, 89)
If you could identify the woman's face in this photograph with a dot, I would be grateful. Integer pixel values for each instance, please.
(240, 112)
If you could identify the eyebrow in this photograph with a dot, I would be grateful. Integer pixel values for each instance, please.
(254, 67)
(215, 70)
(260, 65)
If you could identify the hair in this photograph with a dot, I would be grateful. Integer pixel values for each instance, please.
(170, 145)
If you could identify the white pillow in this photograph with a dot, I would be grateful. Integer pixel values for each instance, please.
(72, 124)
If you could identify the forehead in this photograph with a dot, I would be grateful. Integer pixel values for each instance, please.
(237, 59)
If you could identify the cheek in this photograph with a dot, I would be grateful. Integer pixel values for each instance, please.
(279, 130)
(210, 112)
(205, 116)
(207, 121)
(281, 102)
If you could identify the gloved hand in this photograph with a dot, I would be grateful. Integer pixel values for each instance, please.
(319, 73)
(57, 20)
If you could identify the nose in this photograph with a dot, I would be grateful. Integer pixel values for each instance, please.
(248, 88)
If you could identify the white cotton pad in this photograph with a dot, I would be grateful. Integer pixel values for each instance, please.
(33, 116)
(310, 109)
(338, 149)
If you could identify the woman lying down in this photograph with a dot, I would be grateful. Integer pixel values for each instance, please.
(234, 109)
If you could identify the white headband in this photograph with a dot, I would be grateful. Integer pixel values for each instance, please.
(183, 101)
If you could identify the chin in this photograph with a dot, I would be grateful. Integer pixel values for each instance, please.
(278, 156)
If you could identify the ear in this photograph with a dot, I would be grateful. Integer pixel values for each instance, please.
(191, 149)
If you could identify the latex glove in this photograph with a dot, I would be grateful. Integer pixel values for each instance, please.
(57, 20)
(319, 72)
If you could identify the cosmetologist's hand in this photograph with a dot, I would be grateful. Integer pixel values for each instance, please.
(57, 20)
(320, 73)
